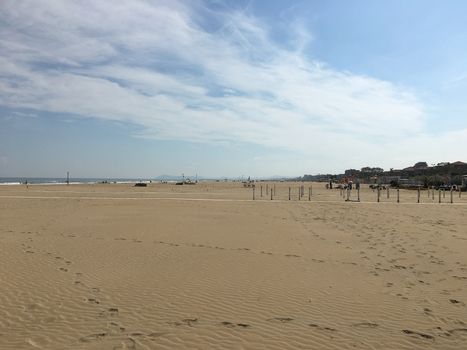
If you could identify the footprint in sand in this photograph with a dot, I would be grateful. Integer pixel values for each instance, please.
(366, 324)
(136, 334)
(110, 312)
(458, 331)
(418, 334)
(329, 329)
(92, 337)
(233, 325)
(281, 319)
(126, 343)
(155, 335)
(243, 325)
(268, 253)
(427, 311)
(116, 327)
(185, 322)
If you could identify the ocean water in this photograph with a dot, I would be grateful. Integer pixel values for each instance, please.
(61, 181)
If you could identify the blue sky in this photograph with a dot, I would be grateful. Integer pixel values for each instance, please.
(218, 88)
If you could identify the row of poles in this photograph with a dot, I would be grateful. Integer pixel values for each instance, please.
(272, 192)
(346, 193)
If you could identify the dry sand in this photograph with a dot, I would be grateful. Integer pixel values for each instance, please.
(205, 267)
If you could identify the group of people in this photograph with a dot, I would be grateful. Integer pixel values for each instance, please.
(347, 184)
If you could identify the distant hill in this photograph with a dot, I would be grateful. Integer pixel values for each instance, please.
(167, 177)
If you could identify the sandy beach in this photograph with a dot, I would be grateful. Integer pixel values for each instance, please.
(113, 266)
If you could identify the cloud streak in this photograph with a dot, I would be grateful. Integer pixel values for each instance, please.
(196, 74)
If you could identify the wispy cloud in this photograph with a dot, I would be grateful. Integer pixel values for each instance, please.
(190, 73)
(455, 82)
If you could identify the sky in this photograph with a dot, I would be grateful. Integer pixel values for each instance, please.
(229, 88)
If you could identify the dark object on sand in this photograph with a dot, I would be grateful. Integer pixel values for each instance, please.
(141, 184)
(185, 182)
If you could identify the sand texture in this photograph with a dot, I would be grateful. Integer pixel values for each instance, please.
(205, 267)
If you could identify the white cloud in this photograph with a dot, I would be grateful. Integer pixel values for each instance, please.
(159, 66)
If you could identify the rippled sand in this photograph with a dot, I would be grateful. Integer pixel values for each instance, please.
(205, 267)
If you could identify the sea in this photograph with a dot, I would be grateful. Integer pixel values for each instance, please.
(61, 181)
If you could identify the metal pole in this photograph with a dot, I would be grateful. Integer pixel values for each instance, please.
(271, 193)
(309, 193)
(289, 193)
(387, 190)
(298, 192)
(358, 194)
(253, 193)
(418, 195)
(261, 190)
(378, 193)
(433, 192)
(67, 177)
(439, 195)
(398, 196)
(451, 194)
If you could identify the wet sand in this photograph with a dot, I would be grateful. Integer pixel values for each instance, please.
(205, 267)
